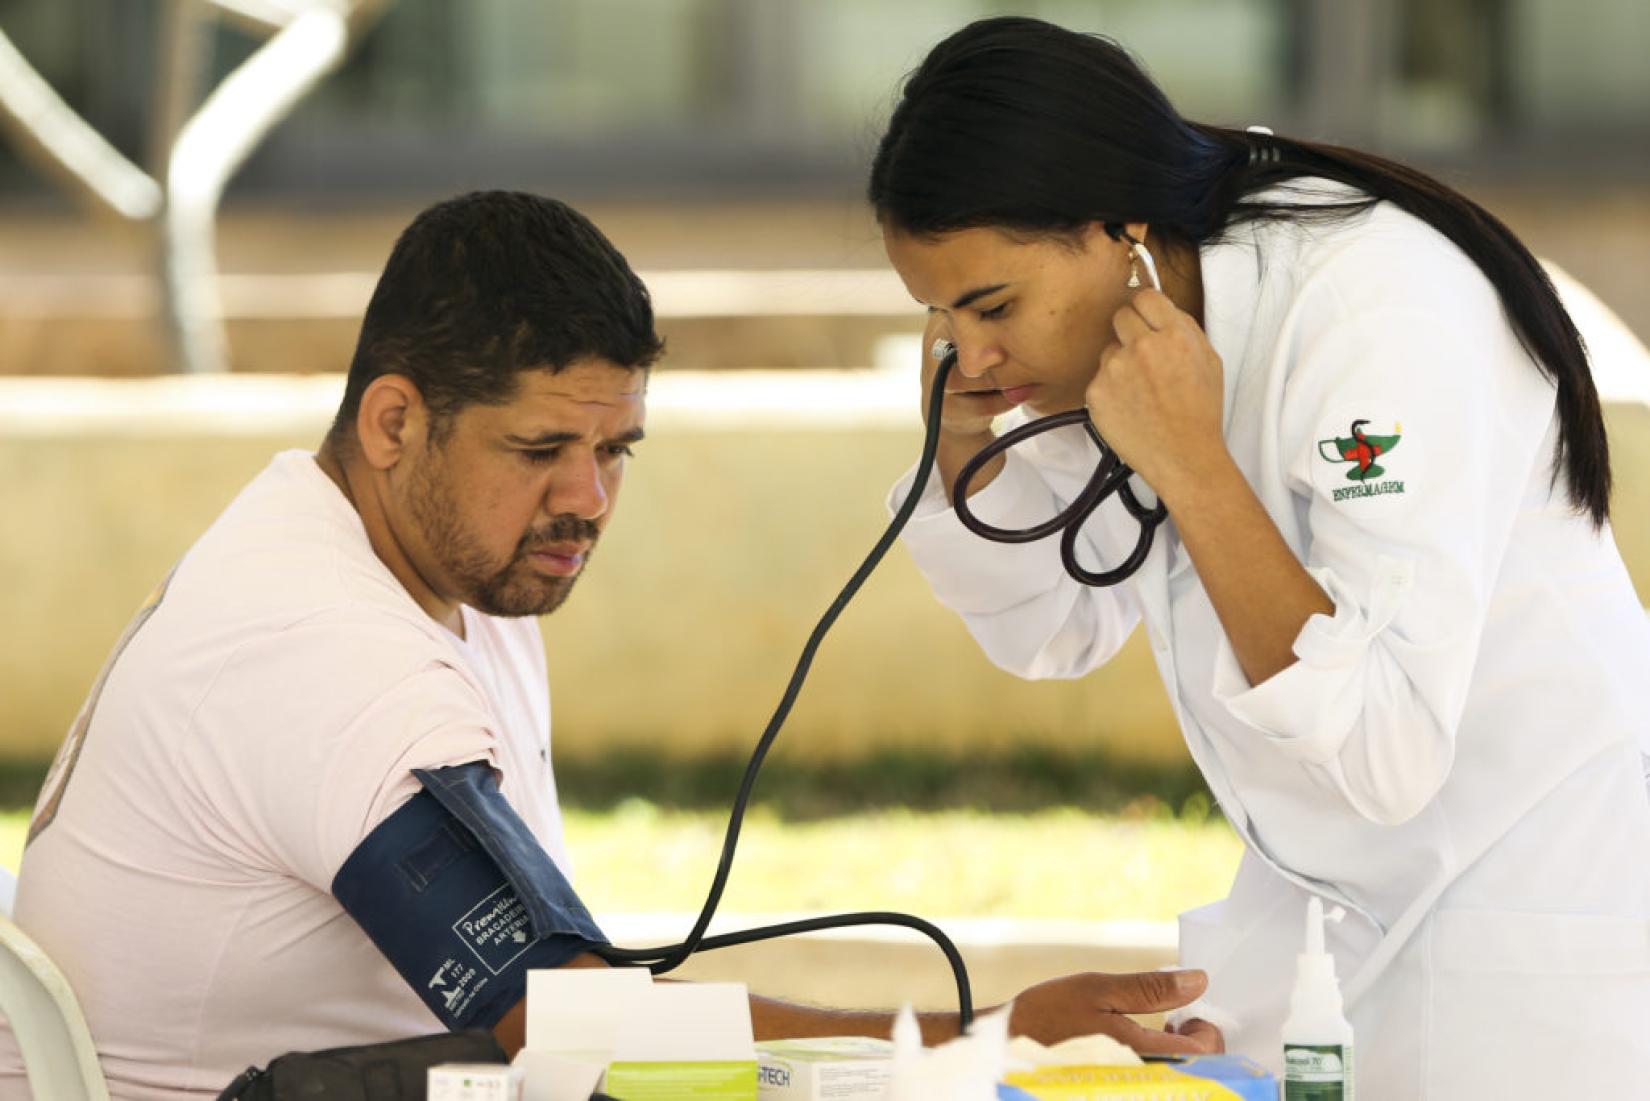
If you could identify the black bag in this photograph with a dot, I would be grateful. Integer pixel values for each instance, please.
(396, 1071)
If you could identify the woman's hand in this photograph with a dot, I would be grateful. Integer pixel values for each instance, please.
(1158, 399)
(965, 419)
(1159, 395)
(964, 416)
(1081, 1005)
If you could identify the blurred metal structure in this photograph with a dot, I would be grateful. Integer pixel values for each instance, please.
(62, 140)
(196, 149)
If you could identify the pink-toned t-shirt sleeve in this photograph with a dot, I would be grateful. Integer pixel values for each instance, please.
(327, 729)
(433, 719)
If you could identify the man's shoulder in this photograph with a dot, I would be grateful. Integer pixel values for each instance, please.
(282, 614)
(344, 650)
(290, 553)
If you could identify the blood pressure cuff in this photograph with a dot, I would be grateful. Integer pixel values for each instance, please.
(462, 899)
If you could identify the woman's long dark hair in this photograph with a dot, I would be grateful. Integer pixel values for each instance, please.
(1019, 124)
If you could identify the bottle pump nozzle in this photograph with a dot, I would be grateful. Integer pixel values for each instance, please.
(1314, 924)
(1315, 970)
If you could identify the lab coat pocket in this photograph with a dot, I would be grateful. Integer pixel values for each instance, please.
(1205, 943)
(1530, 1005)
(1234, 940)
(1205, 936)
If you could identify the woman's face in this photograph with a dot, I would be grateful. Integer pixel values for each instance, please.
(1029, 316)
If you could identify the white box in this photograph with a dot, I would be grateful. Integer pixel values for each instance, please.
(604, 1025)
(826, 1068)
(473, 1082)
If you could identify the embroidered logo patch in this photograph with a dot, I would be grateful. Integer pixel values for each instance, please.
(1362, 450)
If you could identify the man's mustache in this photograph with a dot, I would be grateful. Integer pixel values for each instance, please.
(563, 529)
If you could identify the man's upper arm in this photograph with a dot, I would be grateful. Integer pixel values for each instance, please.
(318, 740)
(461, 899)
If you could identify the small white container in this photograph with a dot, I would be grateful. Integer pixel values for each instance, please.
(1317, 1038)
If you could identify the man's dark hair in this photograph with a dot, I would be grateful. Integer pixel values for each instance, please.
(490, 284)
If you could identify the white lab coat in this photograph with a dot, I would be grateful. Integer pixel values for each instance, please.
(1454, 757)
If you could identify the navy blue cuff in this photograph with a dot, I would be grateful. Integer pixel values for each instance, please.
(461, 899)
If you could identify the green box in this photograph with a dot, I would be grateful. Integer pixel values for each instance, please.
(697, 1081)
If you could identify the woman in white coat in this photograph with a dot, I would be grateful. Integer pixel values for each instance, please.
(1387, 605)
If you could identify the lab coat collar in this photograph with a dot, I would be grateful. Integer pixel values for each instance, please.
(1231, 272)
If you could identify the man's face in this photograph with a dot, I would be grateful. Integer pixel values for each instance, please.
(506, 502)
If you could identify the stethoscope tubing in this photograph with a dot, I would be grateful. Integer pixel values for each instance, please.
(662, 959)
(1110, 477)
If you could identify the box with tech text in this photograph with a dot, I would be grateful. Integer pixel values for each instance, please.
(826, 1068)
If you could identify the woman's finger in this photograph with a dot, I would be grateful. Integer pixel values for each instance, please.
(1203, 1033)
(1151, 1041)
(1129, 325)
(1155, 308)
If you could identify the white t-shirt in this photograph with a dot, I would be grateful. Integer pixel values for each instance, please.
(263, 717)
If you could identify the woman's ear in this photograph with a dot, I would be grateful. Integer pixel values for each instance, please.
(1124, 232)
(392, 417)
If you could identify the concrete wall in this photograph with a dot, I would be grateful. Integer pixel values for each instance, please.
(754, 498)
(741, 518)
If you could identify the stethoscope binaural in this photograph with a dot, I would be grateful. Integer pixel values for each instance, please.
(1110, 476)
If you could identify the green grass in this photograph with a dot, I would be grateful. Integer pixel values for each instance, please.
(1046, 864)
(1028, 778)
(1025, 778)
(983, 835)
(1059, 863)
(14, 827)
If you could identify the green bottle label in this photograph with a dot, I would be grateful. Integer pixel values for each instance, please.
(1317, 1072)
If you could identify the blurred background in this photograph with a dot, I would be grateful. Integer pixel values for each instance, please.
(195, 199)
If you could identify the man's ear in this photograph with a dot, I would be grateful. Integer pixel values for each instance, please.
(392, 420)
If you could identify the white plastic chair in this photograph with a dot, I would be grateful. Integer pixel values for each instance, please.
(51, 1034)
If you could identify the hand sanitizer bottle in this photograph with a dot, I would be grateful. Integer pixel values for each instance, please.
(1317, 1040)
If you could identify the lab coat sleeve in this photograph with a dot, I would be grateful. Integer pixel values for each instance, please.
(1028, 615)
(1409, 551)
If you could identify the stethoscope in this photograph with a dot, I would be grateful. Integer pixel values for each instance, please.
(1110, 476)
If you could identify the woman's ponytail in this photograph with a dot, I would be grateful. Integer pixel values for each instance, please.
(1527, 293)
